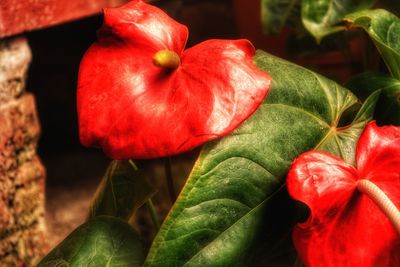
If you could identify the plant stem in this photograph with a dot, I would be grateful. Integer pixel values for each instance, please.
(381, 200)
(133, 165)
(153, 213)
(170, 181)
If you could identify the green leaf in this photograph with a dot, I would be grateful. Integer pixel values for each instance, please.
(388, 106)
(321, 18)
(384, 29)
(274, 14)
(124, 189)
(219, 213)
(103, 241)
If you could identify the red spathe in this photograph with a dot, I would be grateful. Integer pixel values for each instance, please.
(345, 227)
(134, 109)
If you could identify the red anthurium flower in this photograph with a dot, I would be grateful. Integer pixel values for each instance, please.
(140, 95)
(354, 218)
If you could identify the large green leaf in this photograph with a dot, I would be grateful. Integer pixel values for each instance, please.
(388, 106)
(274, 14)
(217, 216)
(384, 29)
(124, 189)
(103, 241)
(321, 17)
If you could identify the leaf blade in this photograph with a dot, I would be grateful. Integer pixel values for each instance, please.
(388, 105)
(321, 18)
(122, 191)
(102, 241)
(248, 167)
(384, 29)
(275, 13)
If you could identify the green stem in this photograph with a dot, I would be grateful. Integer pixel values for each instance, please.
(381, 200)
(133, 164)
(169, 178)
(153, 214)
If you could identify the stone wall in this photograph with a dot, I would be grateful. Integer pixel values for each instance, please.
(22, 238)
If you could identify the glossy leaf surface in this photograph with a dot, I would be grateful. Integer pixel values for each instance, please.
(274, 14)
(388, 106)
(384, 29)
(103, 241)
(216, 218)
(322, 17)
(346, 228)
(122, 191)
(132, 108)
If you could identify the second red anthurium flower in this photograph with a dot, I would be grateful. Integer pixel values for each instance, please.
(140, 95)
(355, 218)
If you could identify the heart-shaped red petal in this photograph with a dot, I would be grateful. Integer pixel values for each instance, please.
(346, 228)
(134, 109)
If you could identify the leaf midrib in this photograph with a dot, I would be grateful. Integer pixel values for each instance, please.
(298, 109)
(239, 220)
(327, 135)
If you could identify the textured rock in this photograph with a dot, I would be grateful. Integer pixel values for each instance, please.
(14, 61)
(22, 228)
